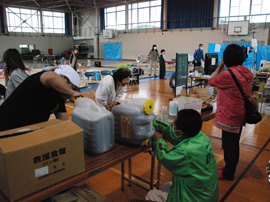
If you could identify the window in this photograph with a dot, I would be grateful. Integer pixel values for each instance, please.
(144, 15)
(239, 10)
(53, 22)
(23, 20)
(260, 7)
(115, 18)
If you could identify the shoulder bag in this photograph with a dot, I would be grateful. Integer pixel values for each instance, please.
(252, 115)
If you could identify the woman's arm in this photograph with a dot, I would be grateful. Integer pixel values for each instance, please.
(52, 80)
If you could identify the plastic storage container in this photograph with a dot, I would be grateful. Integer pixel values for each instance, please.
(134, 121)
(97, 124)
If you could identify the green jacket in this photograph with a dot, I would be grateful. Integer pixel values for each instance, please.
(193, 164)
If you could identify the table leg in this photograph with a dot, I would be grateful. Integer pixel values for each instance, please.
(158, 175)
(152, 170)
(122, 176)
(129, 171)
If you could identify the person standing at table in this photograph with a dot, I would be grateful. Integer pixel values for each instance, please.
(112, 88)
(73, 59)
(190, 158)
(153, 56)
(198, 57)
(230, 114)
(38, 96)
(15, 70)
(162, 65)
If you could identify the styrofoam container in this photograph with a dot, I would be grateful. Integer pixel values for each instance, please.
(132, 124)
(97, 124)
(189, 103)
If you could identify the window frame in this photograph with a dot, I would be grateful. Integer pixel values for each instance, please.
(139, 24)
(115, 12)
(24, 19)
(53, 17)
(25, 16)
(250, 17)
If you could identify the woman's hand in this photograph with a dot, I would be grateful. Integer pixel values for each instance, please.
(222, 64)
(220, 67)
(108, 107)
(74, 95)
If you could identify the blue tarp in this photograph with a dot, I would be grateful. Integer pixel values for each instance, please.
(263, 53)
(113, 51)
(249, 62)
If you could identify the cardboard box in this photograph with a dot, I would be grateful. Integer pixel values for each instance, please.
(44, 154)
(88, 194)
(201, 93)
(83, 193)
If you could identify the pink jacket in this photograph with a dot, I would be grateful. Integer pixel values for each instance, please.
(230, 103)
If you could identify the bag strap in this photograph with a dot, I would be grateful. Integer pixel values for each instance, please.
(237, 83)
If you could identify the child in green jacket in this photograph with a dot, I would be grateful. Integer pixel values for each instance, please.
(190, 159)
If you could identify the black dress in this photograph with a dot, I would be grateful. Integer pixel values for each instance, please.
(162, 67)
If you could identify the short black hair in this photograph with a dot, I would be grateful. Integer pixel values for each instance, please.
(189, 122)
(233, 55)
(121, 74)
(162, 50)
(200, 44)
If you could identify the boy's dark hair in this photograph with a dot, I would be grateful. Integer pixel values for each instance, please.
(200, 44)
(162, 50)
(121, 74)
(189, 122)
(233, 55)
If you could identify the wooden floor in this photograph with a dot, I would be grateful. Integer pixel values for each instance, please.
(250, 184)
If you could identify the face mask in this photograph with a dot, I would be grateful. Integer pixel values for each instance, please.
(201, 48)
(155, 48)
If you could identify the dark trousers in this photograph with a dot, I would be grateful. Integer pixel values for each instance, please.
(230, 144)
(162, 72)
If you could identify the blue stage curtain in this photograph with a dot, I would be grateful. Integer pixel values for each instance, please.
(102, 19)
(2, 24)
(190, 13)
(67, 24)
(162, 15)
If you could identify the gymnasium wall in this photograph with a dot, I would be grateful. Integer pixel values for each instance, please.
(139, 42)
(58, 44)
(176, 41)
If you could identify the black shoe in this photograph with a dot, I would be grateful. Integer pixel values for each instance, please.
(149, 74)
(155, 76)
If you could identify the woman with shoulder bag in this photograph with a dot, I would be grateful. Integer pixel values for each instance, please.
(230, 114)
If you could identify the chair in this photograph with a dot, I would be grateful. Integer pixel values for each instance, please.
(90, 81)
(132, 79)
(105, 72)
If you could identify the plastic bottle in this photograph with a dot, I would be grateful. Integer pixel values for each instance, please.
(97, 124)
(173, 108)
(268, 81)
(267, 110)
(134, 121)
(164, 114)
